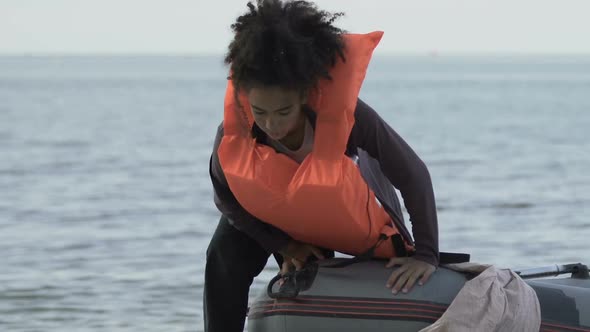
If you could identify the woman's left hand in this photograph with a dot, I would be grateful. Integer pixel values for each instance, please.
(409, 270)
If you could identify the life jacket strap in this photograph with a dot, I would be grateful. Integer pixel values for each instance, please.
(399, 246)
(366, 256)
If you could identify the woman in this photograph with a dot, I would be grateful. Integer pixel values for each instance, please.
(289, 68)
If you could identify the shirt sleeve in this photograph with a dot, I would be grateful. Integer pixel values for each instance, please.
(406, 171)
(272, 239)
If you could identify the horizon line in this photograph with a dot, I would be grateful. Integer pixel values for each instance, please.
(433, 54)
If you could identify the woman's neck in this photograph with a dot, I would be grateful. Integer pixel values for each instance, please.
(294, 139)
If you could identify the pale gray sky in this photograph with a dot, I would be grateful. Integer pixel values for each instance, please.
(198, 26)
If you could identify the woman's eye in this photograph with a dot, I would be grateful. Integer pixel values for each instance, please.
(259, 113)
(284, 113)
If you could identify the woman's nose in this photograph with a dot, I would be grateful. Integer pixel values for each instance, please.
(271, 123)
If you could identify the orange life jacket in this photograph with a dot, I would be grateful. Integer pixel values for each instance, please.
(324, 200)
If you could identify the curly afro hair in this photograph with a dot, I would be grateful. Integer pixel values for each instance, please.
(290, 44)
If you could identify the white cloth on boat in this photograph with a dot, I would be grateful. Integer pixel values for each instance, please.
(496, 300)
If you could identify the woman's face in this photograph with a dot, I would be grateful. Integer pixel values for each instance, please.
(277, 111)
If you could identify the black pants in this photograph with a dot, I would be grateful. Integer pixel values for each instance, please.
(234, 260)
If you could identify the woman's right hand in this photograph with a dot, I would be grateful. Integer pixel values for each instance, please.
(295, 254)
(287, 266)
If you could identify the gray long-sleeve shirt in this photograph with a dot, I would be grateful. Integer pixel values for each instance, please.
(399, 164)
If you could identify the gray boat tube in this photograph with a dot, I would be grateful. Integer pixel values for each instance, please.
(354, 298)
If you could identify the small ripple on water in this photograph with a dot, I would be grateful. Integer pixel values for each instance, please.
(50, 309)
(29, 297)
(65, 144)
(579, 226)
(443, 207)
(71, 247)
(512, 205)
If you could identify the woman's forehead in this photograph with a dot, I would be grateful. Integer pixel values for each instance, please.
(273, 94)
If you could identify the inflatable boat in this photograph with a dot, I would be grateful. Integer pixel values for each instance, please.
(327, 297)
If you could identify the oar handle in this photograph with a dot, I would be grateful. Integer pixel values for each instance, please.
(578, 271)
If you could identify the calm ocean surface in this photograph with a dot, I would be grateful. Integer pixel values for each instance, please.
(106, 205)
